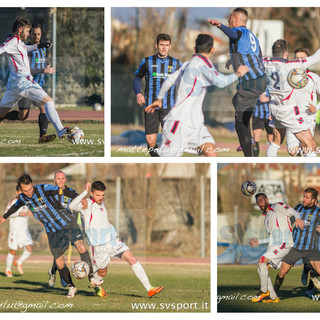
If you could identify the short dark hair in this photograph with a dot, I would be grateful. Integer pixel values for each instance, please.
(98, 185)
(163, 37)
(260, 194)
(20, 22)
(241, 10)
(302, 50)
(24, 179)
(204, 43)
(313, 191)
(17, 188)
(279, 48)
(38, 25)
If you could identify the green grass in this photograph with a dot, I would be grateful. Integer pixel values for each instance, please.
(123, 289)
(238, 284)
(21, 140)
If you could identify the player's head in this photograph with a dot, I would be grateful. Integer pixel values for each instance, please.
(238, 17)
(280, 48)
(21, 27)
(25, 184)
(97, 191)
(60, 179)
(301, 53)
(36, 34)
(310, 197)
(204, 44)
(262, 201)
(18, 190)
(163, 45)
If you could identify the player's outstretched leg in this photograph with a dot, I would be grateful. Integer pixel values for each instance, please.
(43, 126)
(25, 255)
(66, 276)
(9, 262)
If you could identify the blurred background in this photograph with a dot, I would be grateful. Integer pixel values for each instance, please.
(239, 218)
(157, 209)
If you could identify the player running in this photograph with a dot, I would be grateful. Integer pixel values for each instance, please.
(103, 238)
(288, 109)
(278, 225)
(19, 236)
(184, 126)
(306, 241)
(308, 94)
(21, 83)
(59, 222)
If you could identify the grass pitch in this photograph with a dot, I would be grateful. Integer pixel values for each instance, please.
(237, 285)
(30, 292)
(20, 139)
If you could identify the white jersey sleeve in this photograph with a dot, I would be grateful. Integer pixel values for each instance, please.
(309, 61)
(284, 209)
(75, 204)
(213, 77)
(172, 80)
(31, 47)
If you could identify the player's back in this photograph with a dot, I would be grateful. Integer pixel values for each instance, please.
(18, 223)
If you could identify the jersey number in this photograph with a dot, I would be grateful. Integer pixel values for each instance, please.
(253, 42)
(275, 76)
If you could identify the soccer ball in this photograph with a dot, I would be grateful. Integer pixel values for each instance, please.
(75, 136)
(248, 188)
(298, 78)
(96, 107)
(80, 269)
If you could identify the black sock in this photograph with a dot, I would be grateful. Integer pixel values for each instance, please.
(277, 284)
(307, 267)
(12, 115)
(311, 285)
(54, 267)
(243, 129)
(152, 151)
(86, 258)
(66, 276)
(255, 149)
(43, 123)
(313, 273)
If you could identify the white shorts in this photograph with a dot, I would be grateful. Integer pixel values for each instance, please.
(177, 137)
(275, 255)
(290, 117)
(27, 89)
(19, 239)
(291, 139)
(100, 255)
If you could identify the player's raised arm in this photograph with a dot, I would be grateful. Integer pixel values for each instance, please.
(309, 61)
(75, 204)
(14, 208)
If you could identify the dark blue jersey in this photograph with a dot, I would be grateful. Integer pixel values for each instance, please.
(63, 198)
(156, 71)
(308, 238)
(261, 109)
(45, 207)
(246, 50)
(38, 64)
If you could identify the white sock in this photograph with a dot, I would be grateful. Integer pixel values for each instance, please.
(273, 294)
(10, 258)
(25, 255)
(141, 275)
(97, 277)
(310, 154)
(263, 273)
(53, 117)
(272, 150)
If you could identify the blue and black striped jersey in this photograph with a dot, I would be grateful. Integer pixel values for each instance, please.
(63, 198)
(37, 65)
(261, 109)
(308, 238)
(46, 208)
(246, 51)
(156, 70)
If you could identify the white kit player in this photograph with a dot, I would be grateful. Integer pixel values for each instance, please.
(20, 83)
(19, 237)
(287, 109)
(184, 125)
(307, 95)
(103, 238)
(277, 223)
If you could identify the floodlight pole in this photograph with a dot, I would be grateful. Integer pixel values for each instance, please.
(118, 201)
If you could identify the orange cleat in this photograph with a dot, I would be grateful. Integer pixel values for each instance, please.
(8, 273)
(154, 290)
(260, 296)
(100, 292)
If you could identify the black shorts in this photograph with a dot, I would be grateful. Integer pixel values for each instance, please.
(59, 240)
(24, 103)
(153, 120)
(258, 123)
(248, 92)
(294, 255)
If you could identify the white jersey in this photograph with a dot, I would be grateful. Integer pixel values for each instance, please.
(17, 223)
(191, 81)
(277, 223)
(96, 223)
(17, 56)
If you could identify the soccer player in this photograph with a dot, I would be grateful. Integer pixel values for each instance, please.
(288, 107)
(305, 242)
(19, 236)
(103, 238)
(156, 69)
(277, 223)
(37, 60)
(260, 121)
(308, 94)
(59, 222)
(21, 83)
(184, 126)
(245, 49)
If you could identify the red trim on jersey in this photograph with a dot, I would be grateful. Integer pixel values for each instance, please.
(277, 223)
(194, 84)
(296, 110)
(167, 143)
(295, 61)
(175, 127)
(283, 246)
(263, 259)
(91, 217)
(14, 62)
(311, 95)
(288, 96)
(21, 55)
(289, 224)
(207, 62)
